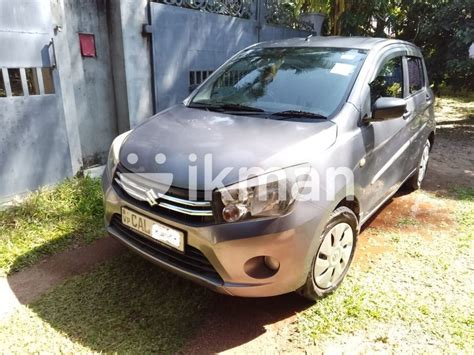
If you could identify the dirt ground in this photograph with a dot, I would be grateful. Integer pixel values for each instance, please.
(269, 325)
(26, 286)
(452, 160)
(273, 319)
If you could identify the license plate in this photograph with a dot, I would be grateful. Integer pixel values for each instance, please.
(155, 230)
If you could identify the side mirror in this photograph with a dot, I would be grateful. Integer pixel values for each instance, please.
(388, 108)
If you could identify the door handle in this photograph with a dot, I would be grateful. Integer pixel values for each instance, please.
(407, 114)
(428, 99)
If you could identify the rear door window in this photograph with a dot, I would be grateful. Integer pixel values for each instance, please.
(416, 77)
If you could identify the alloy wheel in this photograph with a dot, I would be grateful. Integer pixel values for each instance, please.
(333, 256)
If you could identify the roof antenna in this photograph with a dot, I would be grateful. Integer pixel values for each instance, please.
(308, 38)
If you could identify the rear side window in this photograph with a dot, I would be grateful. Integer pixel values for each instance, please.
(416, 77)
(389, 80)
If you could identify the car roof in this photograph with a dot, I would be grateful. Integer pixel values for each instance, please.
(363, 43)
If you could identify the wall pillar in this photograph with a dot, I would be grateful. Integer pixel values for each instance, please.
(64, 68)
(131, 60)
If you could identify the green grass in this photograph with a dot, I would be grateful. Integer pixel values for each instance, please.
(406, 222)
(127, 306)
(465, 193)
(418, 298)
(465, 216)
(415, 298)
(49, 221)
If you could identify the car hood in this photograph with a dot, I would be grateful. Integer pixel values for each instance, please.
(233, 141)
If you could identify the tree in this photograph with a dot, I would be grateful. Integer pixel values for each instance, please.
(443, 29)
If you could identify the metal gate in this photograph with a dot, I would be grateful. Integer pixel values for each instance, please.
(187, 45)
(34, 149)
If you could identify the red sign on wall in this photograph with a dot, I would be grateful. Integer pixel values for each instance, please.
(87, 42)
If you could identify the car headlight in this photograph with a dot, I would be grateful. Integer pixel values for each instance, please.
(268, 195)
(113, 159)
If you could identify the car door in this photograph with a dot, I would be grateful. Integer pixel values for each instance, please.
(419, 98)
(386, 143)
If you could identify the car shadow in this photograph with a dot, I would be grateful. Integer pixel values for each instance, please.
(147, 308)
(129, 305)
(236, 321)
(151, 310)
(116, 294)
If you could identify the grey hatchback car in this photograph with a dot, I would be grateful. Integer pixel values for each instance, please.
(259, 182)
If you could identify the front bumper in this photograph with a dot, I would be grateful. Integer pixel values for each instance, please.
(292, 240)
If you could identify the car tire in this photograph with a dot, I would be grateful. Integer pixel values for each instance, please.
(414, 183)
(334, 256)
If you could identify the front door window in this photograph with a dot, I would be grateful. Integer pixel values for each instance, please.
(389, 80)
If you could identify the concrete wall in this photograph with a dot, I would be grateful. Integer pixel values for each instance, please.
(188, 40)
(34, 143)
(118, 65)
(66, 92)
(34, 148)
(91, 78)
(270, 33)
(111, 93)
(179, 47)
(131, 61)
(45, 138)
(23, 34)
(183, 40)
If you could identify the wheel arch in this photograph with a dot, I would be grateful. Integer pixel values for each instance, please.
(352, 203)
(431, 139)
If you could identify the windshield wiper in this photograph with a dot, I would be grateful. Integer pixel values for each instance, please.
(222, 106)
(298, 114)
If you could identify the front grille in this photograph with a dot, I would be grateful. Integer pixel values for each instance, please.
(174, 203)
(192, 260)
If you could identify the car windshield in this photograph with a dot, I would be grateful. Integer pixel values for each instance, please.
(300, 80)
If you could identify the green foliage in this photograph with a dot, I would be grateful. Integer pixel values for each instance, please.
(287, 12)
(367, 17)
(50, 220)
(319, 6)
(443, 29)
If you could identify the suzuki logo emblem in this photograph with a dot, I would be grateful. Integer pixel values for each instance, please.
(151, 197)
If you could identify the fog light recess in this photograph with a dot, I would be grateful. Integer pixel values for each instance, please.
(261, 267)
(272, 263)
